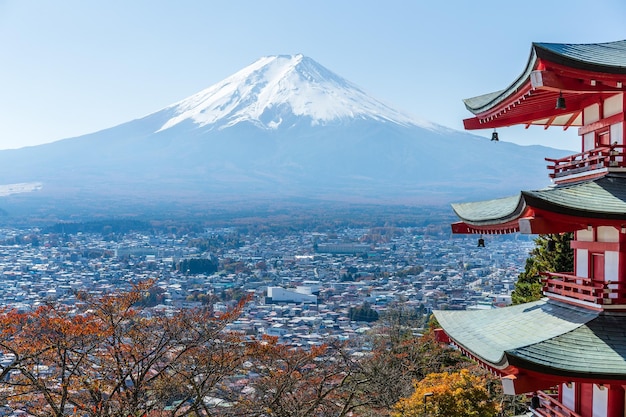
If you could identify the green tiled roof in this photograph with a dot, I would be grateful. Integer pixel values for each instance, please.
(607, 57)
(499, 210)
(596, 348)
(479, 101)
(489, 334)
(602, 198)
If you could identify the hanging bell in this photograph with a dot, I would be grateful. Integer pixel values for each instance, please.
(560, 102)
(494, 136)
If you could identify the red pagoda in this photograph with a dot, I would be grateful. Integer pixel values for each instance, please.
(569, 347)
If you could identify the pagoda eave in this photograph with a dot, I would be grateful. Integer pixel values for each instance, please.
(526, 225)
(563, 208)
(551, 72)
(496, 229)
(534, 106)
(563, 119)
(529, 367)
(541, 222)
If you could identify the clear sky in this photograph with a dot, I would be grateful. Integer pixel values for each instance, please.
(73, 67)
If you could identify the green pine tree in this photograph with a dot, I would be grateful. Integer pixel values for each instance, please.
(552, 253)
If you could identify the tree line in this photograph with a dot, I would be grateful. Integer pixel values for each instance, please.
(107, 356)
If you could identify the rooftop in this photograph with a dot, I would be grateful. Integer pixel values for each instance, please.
(546, 336)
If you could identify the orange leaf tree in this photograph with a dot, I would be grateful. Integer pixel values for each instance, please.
(297, 382)
(111, 359)
(48, 352)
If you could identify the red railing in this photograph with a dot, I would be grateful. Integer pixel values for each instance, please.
(584, 289)
(598, 158)
(550, 407)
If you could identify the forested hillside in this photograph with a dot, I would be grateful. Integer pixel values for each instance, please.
(109, 357)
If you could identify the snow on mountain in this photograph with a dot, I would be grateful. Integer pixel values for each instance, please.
(274, 89)
(282, 128)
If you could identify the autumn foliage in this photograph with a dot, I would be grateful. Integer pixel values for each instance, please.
(107, 356)
(107, 359)
(295, 382)
(448, 394)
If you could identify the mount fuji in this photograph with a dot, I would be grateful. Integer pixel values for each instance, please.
(283, 127)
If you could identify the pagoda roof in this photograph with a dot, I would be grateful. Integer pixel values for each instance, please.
(575, 71)
(608, 57)
(491, 212)
(604, 197)
(597, 348)
(546, 336)
(569, 206)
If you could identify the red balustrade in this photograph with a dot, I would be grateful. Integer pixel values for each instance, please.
(593, 159)
(550, 407)
(584, 289)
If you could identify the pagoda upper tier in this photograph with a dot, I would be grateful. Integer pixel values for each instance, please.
(580, 74)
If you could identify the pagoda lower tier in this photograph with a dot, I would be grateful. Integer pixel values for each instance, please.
(561, 341)
(548, 345)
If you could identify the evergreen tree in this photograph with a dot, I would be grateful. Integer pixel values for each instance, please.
(363, 313)
(198, 265)
(552, 253)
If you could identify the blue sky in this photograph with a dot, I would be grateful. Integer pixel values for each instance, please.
(73, 67)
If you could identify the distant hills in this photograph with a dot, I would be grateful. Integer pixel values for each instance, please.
(282, 128)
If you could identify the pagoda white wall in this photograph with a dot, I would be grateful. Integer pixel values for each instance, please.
(591, 114)
(600, 400)
(584, 235)
(614, 105)
(568, 395)
(589, 141)
(582, 263)
(617, 133)
(608, 234)
(617, 137)
(582, 255)
(611, 262)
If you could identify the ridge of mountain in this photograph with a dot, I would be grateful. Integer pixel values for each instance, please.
(277, 90)
(284, 127)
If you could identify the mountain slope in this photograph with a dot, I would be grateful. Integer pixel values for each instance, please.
(278, 92)
(283, 127)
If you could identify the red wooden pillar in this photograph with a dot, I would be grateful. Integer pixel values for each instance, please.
(585, 399)
(615, 401)
(623, 123)
(621, 267)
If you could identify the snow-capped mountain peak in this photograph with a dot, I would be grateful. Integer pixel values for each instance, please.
(278, 90)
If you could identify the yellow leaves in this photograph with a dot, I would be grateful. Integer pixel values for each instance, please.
(448, 394)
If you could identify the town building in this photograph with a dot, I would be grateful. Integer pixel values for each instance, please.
(569, 347)
(301, 294)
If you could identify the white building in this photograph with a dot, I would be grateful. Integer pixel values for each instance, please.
(301, 295)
